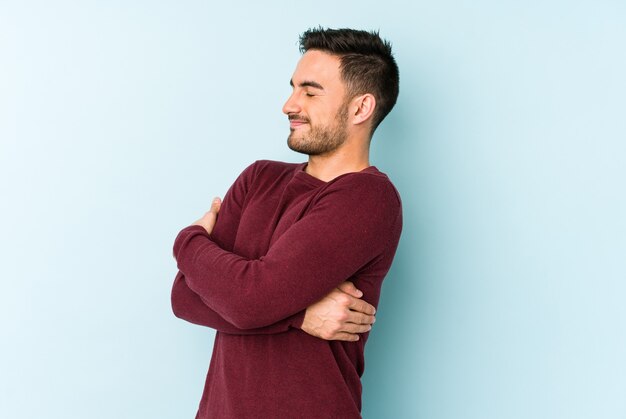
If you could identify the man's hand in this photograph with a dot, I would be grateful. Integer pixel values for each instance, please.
(209, 219)
(341, 315)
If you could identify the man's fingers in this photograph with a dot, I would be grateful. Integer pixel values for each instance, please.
(215, 205)
(360, 318)
(356, 328)
(356, 303)
(210, 217)
(345, 336)
(349, 288)
(351, 332)
(362, 306)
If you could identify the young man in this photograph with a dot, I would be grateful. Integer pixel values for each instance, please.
(291, 269)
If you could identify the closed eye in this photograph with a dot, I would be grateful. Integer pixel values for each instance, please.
(308, 85)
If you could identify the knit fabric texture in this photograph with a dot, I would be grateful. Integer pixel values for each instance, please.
(282, 241)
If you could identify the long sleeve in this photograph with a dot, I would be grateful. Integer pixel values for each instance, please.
(346, 228)
(189, 306)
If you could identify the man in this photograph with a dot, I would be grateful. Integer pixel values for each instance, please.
(290, 270)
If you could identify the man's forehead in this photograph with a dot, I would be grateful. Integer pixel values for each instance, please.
(317, 66)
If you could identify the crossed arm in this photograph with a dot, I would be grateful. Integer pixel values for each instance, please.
(340, 315)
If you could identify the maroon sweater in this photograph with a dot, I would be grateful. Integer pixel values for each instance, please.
(282, 241)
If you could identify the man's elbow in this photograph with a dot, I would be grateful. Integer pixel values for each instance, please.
(178, 308)
(180, 302)
(246, 323)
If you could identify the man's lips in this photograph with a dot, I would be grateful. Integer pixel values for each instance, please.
(295, 123)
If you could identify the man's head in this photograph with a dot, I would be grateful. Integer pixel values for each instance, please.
(317, 109)
(340, 69)
(366, 63)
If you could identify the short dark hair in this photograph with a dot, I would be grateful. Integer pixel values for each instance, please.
(367, 64)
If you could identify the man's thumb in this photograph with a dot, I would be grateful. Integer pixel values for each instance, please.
(216, 204)
(349, 288)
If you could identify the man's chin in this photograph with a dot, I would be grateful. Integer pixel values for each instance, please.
(298, 145)
(295, 146)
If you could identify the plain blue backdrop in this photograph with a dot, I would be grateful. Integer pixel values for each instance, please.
(119, 121)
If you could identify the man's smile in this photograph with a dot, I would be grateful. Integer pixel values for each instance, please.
(296, 122)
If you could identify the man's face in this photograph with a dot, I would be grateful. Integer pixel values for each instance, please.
(317, 109)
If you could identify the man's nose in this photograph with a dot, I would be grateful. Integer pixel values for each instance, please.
(292, 105)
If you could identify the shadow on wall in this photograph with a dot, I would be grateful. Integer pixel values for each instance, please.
(392, 352)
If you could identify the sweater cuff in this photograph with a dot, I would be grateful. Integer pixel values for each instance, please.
(297, 320)
(185, 234)
(195, 227)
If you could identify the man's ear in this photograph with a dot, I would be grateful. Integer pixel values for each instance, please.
(362, 108)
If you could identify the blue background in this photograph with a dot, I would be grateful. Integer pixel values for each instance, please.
(119, 121)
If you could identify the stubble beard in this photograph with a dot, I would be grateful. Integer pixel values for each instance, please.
(321, 140)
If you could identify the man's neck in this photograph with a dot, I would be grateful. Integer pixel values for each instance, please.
(328, 167)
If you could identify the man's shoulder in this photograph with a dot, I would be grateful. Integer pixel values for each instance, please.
(367, 197)
(371, 182)
(262, 168)
(274, 166)
(262, 172)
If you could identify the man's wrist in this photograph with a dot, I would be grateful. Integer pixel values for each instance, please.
(297, 320)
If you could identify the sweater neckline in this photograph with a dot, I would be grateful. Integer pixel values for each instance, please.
(312, 180)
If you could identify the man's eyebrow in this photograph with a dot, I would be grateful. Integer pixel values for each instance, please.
(308, 83)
